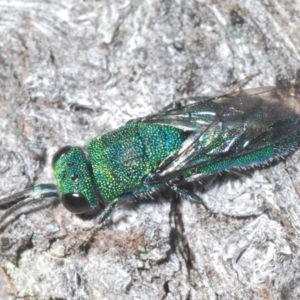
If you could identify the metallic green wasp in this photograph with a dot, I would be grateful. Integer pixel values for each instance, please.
(181, 143)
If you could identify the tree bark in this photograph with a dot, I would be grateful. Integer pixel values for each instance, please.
(73, 70)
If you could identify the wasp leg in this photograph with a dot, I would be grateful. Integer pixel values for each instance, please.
(173, 105)
(185, 193)
(100, 221)
(188, 195)
(105, 214)
(237, 87)
(183, 101)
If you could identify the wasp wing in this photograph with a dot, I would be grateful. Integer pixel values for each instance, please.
(240, 129)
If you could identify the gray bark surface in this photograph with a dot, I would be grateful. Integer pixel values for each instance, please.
(73, 70)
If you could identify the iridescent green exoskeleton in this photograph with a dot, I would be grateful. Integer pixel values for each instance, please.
(180, 143)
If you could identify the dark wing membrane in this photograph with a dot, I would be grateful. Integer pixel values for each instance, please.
(237, 130)
(202, 111)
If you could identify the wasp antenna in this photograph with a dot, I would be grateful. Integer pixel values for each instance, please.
(27, 196)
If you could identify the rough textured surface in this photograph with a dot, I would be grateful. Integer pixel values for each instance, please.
(146, 145)
(72, 71)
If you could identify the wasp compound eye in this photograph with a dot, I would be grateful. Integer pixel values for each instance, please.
(75, 203)
(75, 179)
(61, 152)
